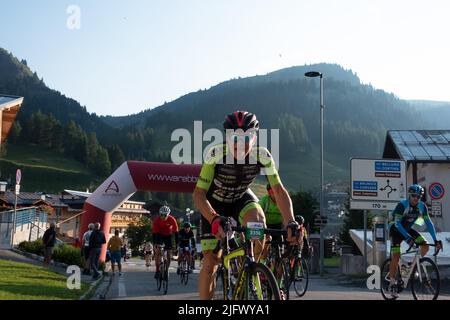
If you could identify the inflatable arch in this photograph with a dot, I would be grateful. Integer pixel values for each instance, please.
(130, 177)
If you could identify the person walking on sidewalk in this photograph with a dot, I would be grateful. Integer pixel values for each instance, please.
(96, 240)
(49, 240)
(114, 246)
(85, 249)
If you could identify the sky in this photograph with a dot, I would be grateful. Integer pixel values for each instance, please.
(127, 56)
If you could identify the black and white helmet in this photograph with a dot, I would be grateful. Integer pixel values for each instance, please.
(164, 211)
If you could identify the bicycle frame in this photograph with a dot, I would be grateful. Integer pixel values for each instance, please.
(226, 260)
(413, 264)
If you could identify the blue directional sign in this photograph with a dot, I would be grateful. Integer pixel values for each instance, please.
(365, 185)
(387, 166)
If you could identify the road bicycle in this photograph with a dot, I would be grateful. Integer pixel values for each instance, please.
(289, 267)
(185, 267)
(239, 277)
(163, 280)
(422, 273)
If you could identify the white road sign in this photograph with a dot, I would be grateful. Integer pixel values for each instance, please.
(377, 183)
(18, 176)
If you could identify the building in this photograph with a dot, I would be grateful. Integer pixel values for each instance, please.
(9, 107)
(427, 155)
(129, 212)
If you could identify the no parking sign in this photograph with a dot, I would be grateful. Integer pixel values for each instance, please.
(436, 191)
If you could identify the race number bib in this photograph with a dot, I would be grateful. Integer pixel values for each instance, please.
(255, 231)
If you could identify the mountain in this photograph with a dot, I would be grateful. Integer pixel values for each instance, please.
(357, 117)
(16, 78)
(437, 113)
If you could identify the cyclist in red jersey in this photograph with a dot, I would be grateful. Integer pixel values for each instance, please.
(163, 228)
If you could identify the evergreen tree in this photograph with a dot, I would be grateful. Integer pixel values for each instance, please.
(15, 132)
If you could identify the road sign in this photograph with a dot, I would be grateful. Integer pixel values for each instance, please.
(436, 191)
(372, 205)
(377, 184)
(17, 189)
(18, 176)
(436, 208)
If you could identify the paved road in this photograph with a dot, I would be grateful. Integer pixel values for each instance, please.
(137, 283)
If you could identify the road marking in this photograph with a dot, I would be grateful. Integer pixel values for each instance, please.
(122, 289)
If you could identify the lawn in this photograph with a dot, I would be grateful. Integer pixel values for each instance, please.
(21, 281)
(38, 157)
(332, 262)
(45, 170)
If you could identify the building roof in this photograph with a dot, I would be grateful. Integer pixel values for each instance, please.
(9, 106)
(29, 198)
(418, 145)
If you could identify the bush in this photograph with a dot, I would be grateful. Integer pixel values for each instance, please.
(67, 254)
(36, 246)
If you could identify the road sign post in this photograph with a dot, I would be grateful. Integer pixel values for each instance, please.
(321, 222)
(17, 191)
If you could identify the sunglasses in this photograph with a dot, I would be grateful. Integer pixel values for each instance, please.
(234, 137)
(415, 195)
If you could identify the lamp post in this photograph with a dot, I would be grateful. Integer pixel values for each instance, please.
(189, 212)
(313, 74)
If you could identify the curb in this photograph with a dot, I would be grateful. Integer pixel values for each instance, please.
(92, 287)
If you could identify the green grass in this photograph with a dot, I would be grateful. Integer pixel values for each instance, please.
(37, 157)
(332, 262)
(45, 170)
(21, 281)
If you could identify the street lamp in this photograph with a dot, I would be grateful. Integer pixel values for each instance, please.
(313, 74)
(189, 212)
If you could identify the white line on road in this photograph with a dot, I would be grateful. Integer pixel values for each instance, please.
(122, 289)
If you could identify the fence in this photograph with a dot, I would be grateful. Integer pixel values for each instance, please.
(29, 222)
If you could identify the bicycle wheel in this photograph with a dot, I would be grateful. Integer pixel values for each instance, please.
(385, 280)
(300, 276)
(185, 271)
(281, 273)
(165, 280)
(159, 279)
(260, 283)
(182, 274)
(220, 284)
(425, 282)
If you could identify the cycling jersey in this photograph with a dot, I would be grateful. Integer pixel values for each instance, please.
(405, 216)
(165, 227)
(271, 210)
(186, 239)
(227, 180)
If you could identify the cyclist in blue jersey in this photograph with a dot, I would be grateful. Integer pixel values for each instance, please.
(406, 214)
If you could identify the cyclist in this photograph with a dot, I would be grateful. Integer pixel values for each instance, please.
(406, 214)
(148, 252)
(163, 228)
(186, 244)
(223, 190)
(272, 213)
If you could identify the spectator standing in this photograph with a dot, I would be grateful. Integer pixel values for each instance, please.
(49, 240)
(85, 249)
(114, 245)
(96, 240)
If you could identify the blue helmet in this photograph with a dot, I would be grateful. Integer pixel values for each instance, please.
(416, 189)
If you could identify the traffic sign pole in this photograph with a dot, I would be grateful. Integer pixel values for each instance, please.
(365, 240)
(17, 190)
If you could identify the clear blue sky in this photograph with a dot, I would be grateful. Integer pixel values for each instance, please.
(133, 55)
